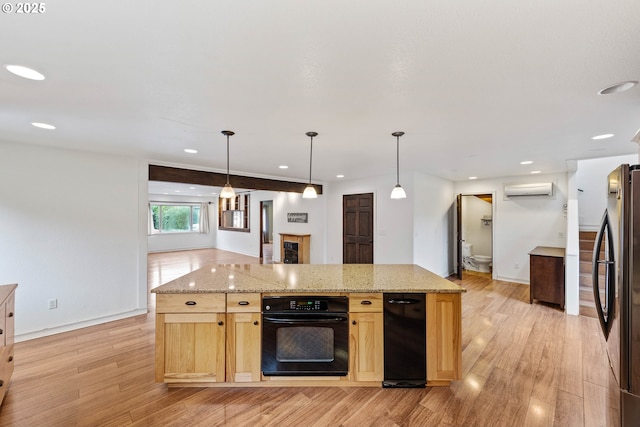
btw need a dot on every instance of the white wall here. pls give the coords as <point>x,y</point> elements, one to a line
<point>415,230</point>
<point>247,243</point>
<point>392,219</point>
<point>316,226</point>
<point>522,223</point>
<point>73,227</point>
<point>591,178</point>
<point>572,253</point>
<point>163,242</point>
<point>433,214</point>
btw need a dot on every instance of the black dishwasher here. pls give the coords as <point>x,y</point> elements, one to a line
<point>405,340</point>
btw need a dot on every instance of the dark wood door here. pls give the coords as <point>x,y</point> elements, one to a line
<point>357,228</point>
<point>459,236</point>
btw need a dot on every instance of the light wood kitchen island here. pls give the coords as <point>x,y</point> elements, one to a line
<point>208,322</point>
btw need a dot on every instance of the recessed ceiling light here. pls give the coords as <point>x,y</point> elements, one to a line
<point>603,136</point>
<point>526,162</point>
<point>283,167</point>
<point>535,171</point>
<point>43,126</point>
<point>618,87</point>
<point>25,72</point>
<point>340,176</point>
<point>190,150</point>
<point>473,177</point>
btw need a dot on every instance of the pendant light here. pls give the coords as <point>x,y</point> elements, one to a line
<point>227,192</point>
<point>398,191</point>
<point>310,190</point>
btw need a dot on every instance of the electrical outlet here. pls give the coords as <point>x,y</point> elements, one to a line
<point>53,303</point>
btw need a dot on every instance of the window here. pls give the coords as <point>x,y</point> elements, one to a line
<point>233,214</point>
<point>175,217</point>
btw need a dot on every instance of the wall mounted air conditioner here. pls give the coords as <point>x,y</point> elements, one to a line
<point>538,189</point>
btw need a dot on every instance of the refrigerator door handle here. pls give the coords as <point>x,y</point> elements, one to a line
<point>604,312</point>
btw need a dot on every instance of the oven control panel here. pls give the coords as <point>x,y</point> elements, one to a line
<point>308,305</point>
<point>289,304</point>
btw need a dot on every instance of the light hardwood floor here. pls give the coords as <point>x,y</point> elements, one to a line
<point>523,365</point>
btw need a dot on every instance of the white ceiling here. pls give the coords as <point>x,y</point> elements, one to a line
<point>478,86</point>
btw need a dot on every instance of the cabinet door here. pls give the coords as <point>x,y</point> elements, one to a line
<point>444,338</point>
<point>193,347</point>
<point>243,347</point>
<point>547,279</point>
<point>366,346</point>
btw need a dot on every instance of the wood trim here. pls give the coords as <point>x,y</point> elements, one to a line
<point>159,354</point>
<point>189,176</point>
<point>444,337</point>
<point>244,344</point>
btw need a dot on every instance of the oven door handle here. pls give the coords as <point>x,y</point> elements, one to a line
<point>294,320</point>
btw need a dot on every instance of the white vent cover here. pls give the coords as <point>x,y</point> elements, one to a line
<point>538,189</point>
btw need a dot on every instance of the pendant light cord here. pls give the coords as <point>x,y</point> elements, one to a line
<point>397,160</point>
<point>310,160</point>
<point>227,159</point>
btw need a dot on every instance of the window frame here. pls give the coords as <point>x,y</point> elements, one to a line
<point>190,205</point>
<point>241,202</point>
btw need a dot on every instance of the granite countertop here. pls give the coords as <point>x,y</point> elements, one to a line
<point>234,278</point>
<point>548,251</point>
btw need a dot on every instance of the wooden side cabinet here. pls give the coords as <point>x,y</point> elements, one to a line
<point>546,269</point>
<point>366,335</point>
<point>7,333</point>
<point>294,248</point>
<point>190,338</point>
<point>244,333</point>
<point>444,338</point>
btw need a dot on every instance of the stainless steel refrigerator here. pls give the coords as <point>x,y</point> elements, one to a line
<point>616,287</point>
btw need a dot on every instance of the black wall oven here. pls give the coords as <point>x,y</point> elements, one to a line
<point>305,335</point>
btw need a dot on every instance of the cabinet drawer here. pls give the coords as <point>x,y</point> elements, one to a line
<point>243,303</point>
<point>190,303</point>
<point>365,303</point>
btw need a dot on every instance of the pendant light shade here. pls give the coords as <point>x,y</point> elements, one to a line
<point>310,191</point>
<point>398,191</point>
<point>227,192</point>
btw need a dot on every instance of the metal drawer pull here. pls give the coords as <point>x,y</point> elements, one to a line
<point>255,322</point>
<point>243,302</point>
<point>11,314</point>
<point>365,302</point>
<point>221,323</point>
<point>190,303</point>
<point>1,332</point>
<point>353,322</point>
<point>10,358</point>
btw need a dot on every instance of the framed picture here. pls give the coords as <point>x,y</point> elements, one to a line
<point>298,217</point>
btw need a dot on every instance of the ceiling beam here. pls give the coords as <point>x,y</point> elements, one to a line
<point>215,179</point>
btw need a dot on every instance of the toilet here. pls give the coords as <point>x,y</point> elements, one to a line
<point>480,263</point>
<point>483,262</point>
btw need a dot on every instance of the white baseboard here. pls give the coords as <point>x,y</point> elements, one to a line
<point>511,279</point>
<point>71,327</point>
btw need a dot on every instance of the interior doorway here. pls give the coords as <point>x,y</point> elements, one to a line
<point>357,228</point>
<point>266,232</point>
<point>474,233</point>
